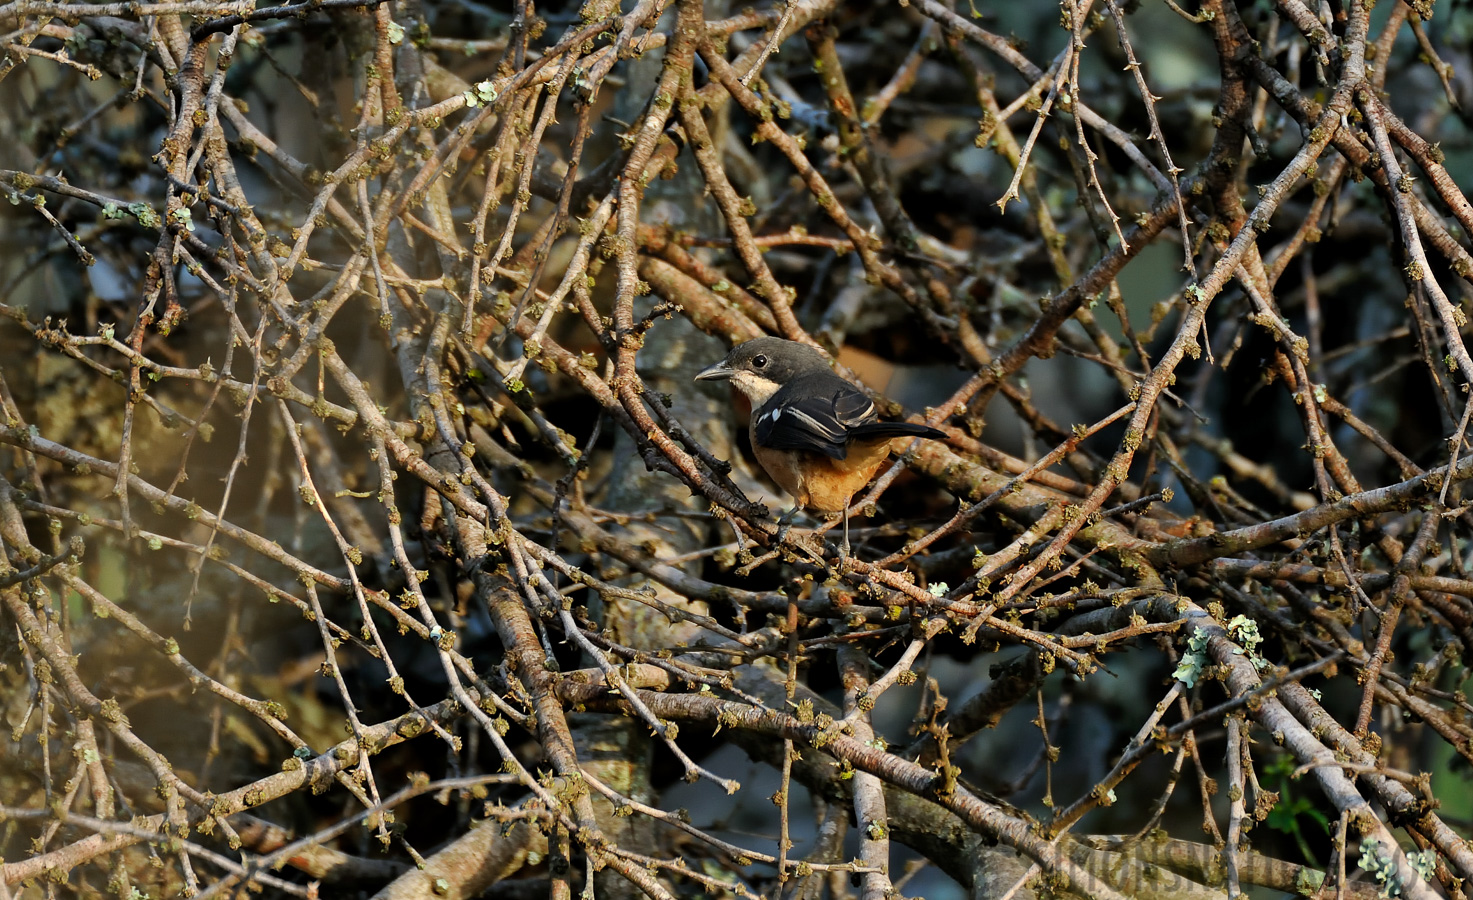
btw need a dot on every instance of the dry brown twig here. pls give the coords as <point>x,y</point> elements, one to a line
<point>318,312</point>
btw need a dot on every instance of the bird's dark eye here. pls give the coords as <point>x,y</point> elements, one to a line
<point>759,361</point>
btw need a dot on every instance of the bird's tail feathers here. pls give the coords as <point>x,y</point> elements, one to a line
<point>877,430</point>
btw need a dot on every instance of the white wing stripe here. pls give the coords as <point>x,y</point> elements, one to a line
<point>862,417</point>
<point>820,427</point>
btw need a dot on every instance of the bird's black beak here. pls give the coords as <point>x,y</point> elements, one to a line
<point>719,372</point>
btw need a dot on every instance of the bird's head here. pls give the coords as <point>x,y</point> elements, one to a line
<point>759,367</point>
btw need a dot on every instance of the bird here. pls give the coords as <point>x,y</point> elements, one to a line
<point>818,436</point>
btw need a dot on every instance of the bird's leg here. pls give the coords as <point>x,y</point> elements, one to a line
<point>784,523</point>
<point>831,520</point>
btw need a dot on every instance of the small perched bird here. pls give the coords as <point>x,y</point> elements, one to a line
<point>818,436</point>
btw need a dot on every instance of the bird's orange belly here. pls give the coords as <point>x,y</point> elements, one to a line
<point>821,483</point>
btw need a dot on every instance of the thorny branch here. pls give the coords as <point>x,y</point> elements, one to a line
<point>353,339</point>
